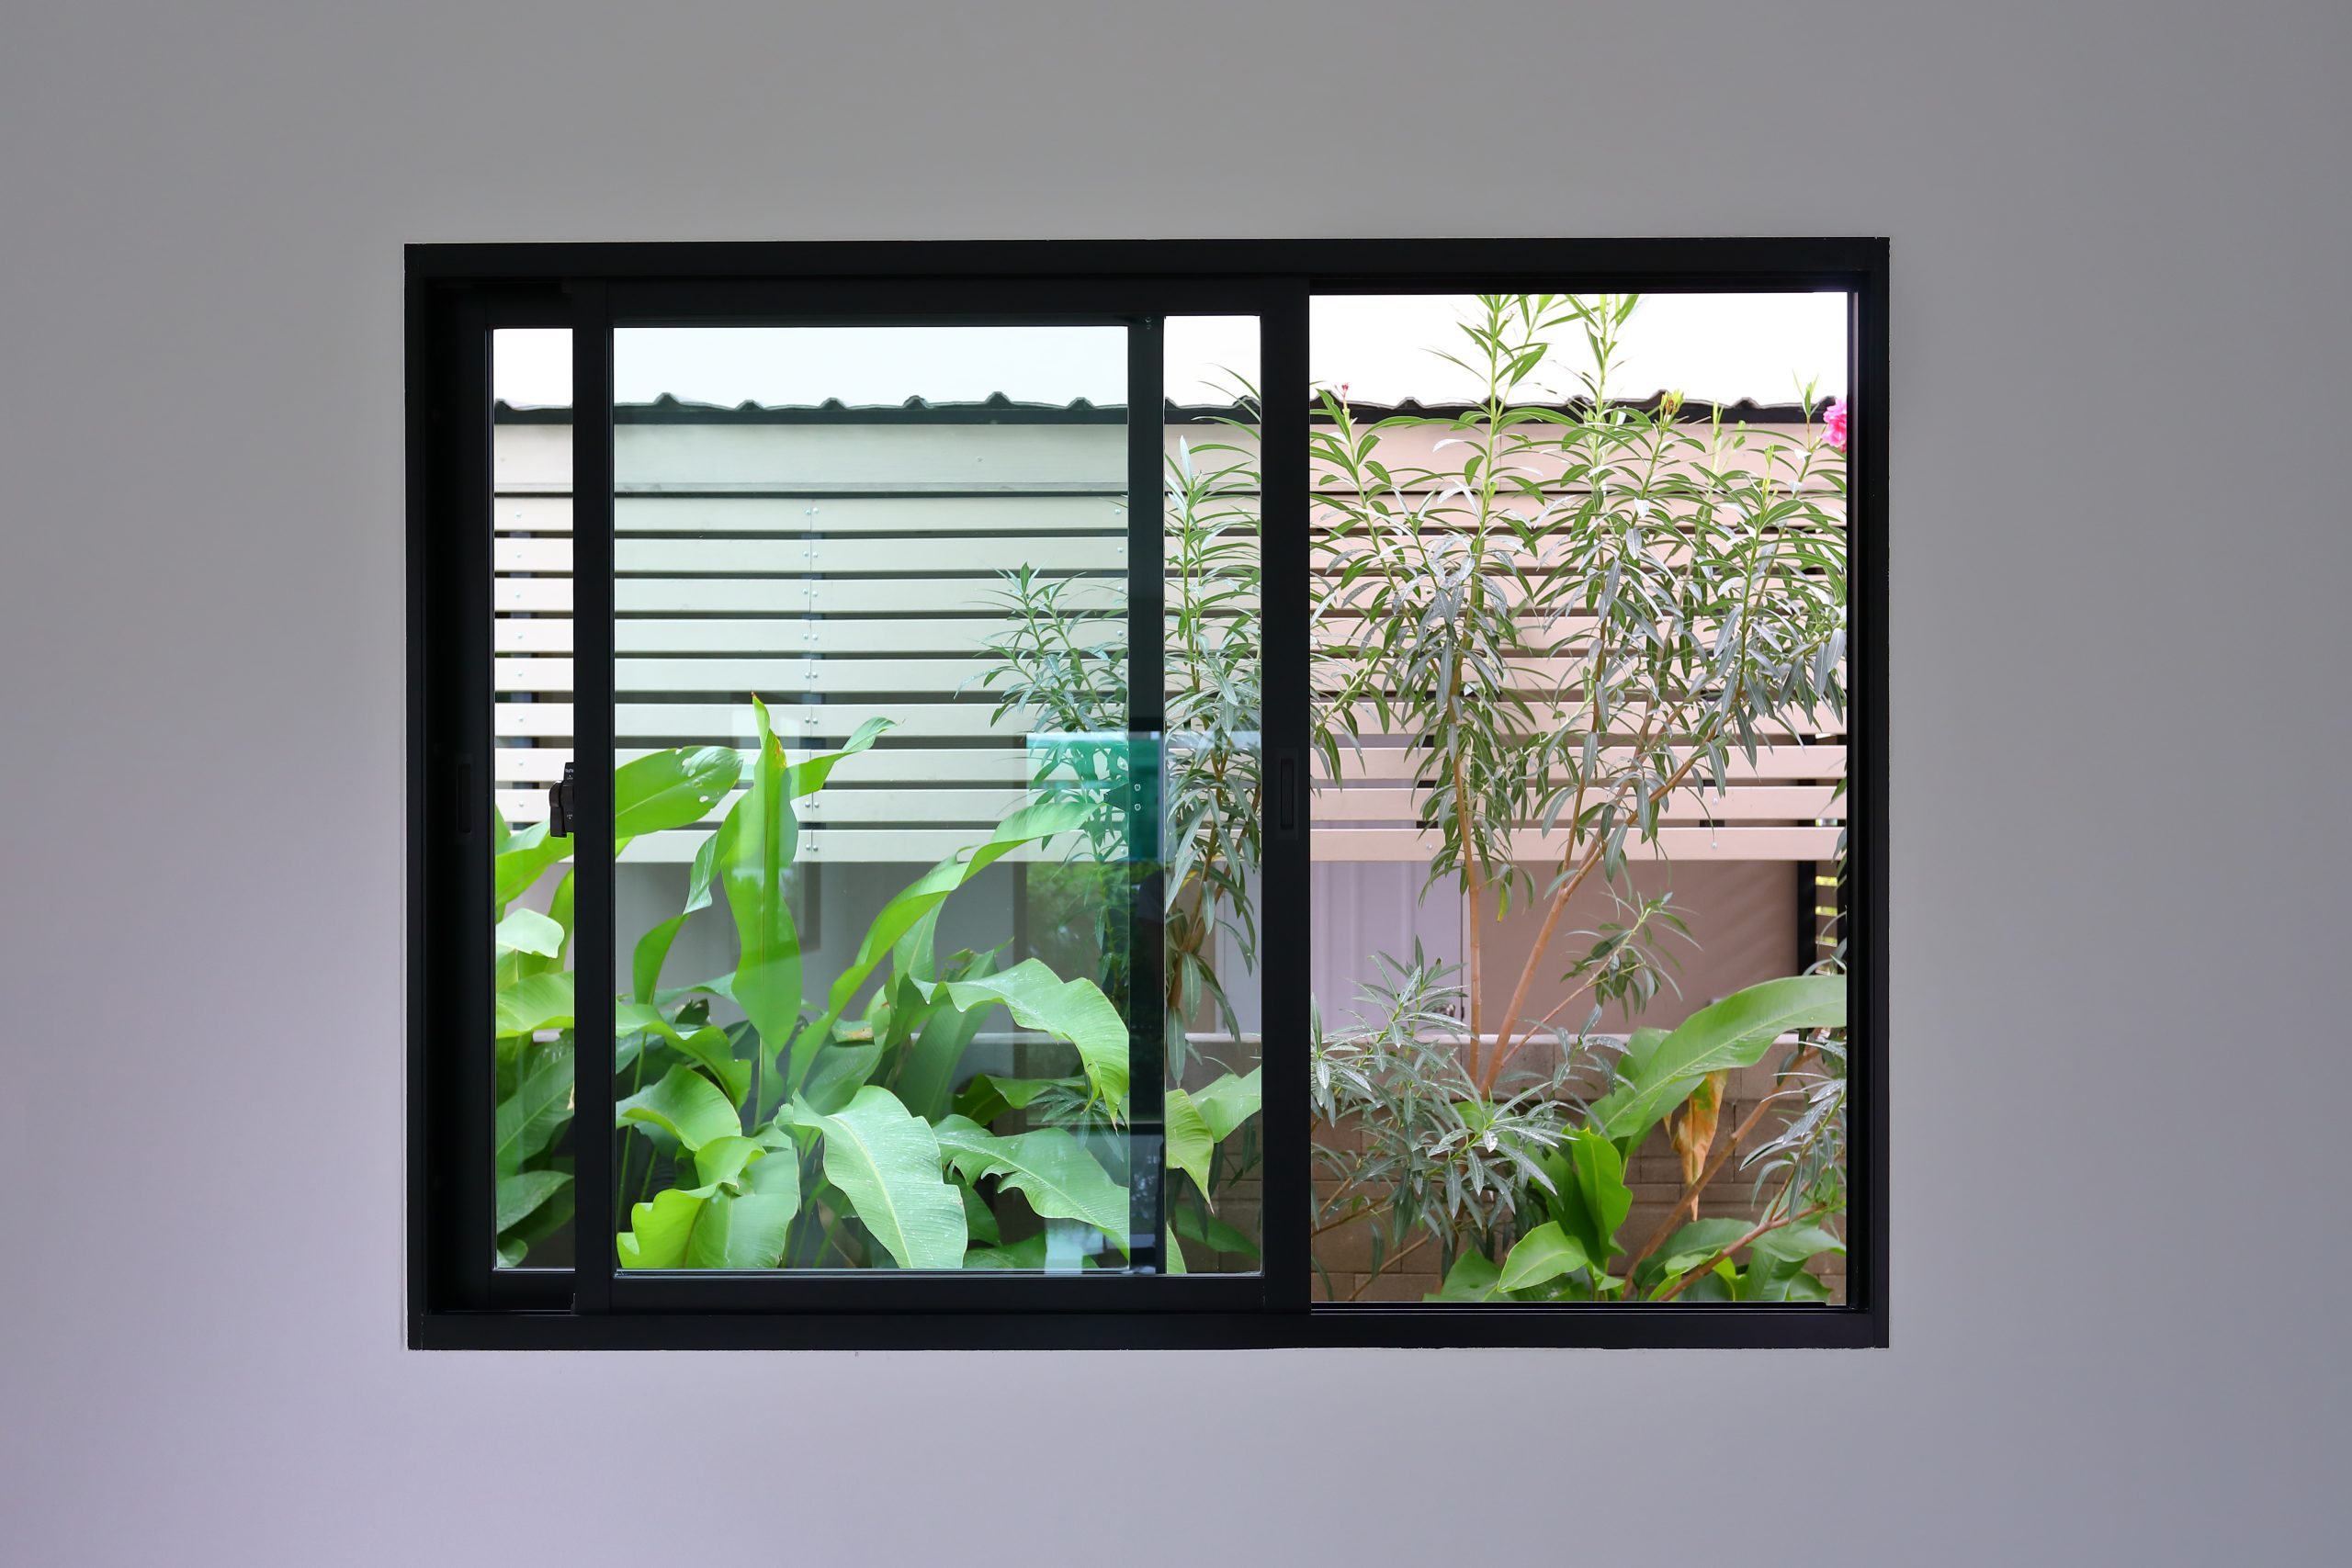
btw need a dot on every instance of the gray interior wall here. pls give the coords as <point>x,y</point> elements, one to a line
<point>2119,1062</point>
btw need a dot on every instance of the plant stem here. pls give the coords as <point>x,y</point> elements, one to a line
<point>1691,1193</point>
<point>1365,1283</point>
<point>1762,1227</point>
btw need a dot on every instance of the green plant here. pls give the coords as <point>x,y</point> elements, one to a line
<point>1574,614</point>
<point>1063,663</point>
<point>808,1134</point>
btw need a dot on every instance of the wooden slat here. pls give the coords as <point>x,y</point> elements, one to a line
<point>1771,762</point>
<point>712,723</point>
<point>889,763</point>
<point>885,764</point>
<point>851,799</point>
<point>717,723</point>
<point>799,557</point>
<point>907,846</point>
<point>1396,844</point>
<point>839,596</point>
<point>544,634</point>
<point>922,846</point>
<point>822,635</point>
<point>1750,803</point>
<point>769,677</point>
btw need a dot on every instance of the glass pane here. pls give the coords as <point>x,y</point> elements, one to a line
<point>885,822</point>
<point>1581,609</point>
<point>1210,560</point>
<point>531,600</point>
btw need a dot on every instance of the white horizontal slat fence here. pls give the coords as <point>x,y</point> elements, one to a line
<point>845,571</point>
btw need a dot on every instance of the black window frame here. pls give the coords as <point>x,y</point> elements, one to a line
<point>457,294</point>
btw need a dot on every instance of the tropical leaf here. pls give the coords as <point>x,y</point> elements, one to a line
<point>653,948</point>
<point>1691,1129</point>
<point>1075,1011</point>
<point>541,1103</point>
<point>1733,1033</point>
<point>1190,1142</point>
<point>519,1196</point>
<point>739,1222</point>
<point>685,1104</point>
<point>674,788</point>
<point>1027,1254</point>
<point>926,892</point>
<point>988,1097</point>
<point>927,1071</point>
<point>528,930</point>
<point>535,1002</point>
<point>1542,1256</point>
<point>840,1072</point>
<point>524,855</point>
<point>1796,1244</point>
<point>886,1162</point>
<point>1229,1101</point>
<point>756,845</point>
<point>1473,1278</point>
<point>1048,1167</point>
<point>1691,1246</point>
<point>710,1046</point>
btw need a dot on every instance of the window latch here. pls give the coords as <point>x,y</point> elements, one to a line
<point>562,804</point>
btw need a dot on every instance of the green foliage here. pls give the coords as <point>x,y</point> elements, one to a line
<point>1575,613</point>
<point>885,1161</point>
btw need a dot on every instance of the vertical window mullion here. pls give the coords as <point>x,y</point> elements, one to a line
<point>1285,910</point>
<point>592,740</point>
<point>1147,769</point>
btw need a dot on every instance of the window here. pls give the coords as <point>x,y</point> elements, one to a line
<point>1147,793</point>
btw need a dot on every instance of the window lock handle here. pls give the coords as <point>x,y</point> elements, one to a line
<point>562,804</point>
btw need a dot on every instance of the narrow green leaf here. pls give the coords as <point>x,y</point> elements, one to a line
<point>756,845</point>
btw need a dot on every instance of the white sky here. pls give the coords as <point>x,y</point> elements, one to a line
<point>1719,346</point>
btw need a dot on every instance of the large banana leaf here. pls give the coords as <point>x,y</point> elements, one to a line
<point>1229,1101</point>
<point>653,948</point>
<point>1049,1167</point>
<point>756,844</point>
<point>708,1046</point>
<point>739,1220</point>
<point>927,1077</point>
<point>886,1162</point>
<point>520,1195</point>
<point>685,1104</point>
<point>524,856</point>
<point>540,1104</point>
<point>528,930</point>
<point>671,789</point>
<point>1542,1256</point>
<point>1733,1033</point>
<point>1075,1011</point>
<point>535,1002</point>
<point>1190,1142</point>
<point>1028,825</point>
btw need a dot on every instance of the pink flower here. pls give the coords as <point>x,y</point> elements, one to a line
<point>1835,417</point>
